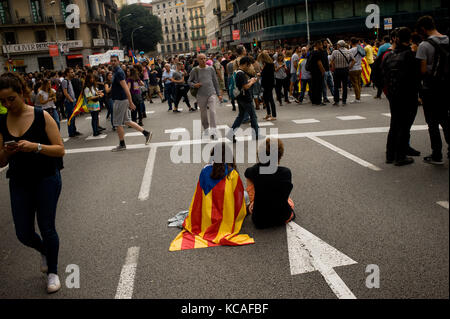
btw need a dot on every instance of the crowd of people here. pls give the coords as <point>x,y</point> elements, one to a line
<point>410,68</point>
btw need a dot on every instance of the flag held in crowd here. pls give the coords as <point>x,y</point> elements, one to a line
<point>216,214</point>
<point>80,107</point>
<point>365,71</point>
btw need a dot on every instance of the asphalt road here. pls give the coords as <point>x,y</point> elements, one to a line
<point>379,215</point>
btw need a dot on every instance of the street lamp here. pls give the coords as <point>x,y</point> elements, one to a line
<point>132,40</point>
<point>52,3</point>
<point>307,22</point>
<point>117,26</point>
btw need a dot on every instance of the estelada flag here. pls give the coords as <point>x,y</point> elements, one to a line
<point>365,71</point>
<point>299,73</point>
<point>216,214</point>
<point>80,107</point>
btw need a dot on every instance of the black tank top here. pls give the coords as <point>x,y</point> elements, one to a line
<point>30,165</point>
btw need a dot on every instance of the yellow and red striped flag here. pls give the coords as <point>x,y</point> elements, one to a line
<point>80,107</point>
<point>299,73</point>
<point>365,71</point>
<point>216,214</point>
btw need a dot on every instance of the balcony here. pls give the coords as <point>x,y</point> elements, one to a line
<point>27,21</point>
<point>200,26</point>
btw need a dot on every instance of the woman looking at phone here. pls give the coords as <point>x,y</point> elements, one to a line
<point>31,144</point>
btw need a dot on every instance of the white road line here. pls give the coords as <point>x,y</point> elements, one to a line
<point>220,127</point>
<point>144,193</point>
<point>350,118</point>
<point>229,105</point>
<point>150,112</point>
<point>305,121</point>
<point>386,114</point>
<point>443,204</point>
<point>88,118</point>
<point>345,153</point>
<point>63,121</point>
<point>282,136</point>
<point>100,137</point>
<point>175,130</point>
<point>261,124</point>
<point>127,275</point>
<point>133,134</point>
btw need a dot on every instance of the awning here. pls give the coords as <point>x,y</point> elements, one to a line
<point>74,56</point>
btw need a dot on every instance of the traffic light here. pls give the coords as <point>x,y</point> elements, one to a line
<point>255,43</point>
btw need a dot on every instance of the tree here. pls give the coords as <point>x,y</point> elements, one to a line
<point>145,39</point>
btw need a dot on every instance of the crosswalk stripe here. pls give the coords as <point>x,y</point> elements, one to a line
<point>101,136</point>
<point>133,134</point>
<point>350,117</point>
<point>443,204</point>
<point>305,121</point>
<point>175,130</point>
<point>386,114</point>
<point>265,124</point>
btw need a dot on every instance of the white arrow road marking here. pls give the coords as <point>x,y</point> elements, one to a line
<point>443,204</point>
<point>305,121</point>
<point>144,193</point>
<point>351,118</point>
<point>308,253</point>
<point>345,153</point>
<point>126,281</point>
<point>101,136</point>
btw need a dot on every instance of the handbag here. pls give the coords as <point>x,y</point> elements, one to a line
<point>194,90</point>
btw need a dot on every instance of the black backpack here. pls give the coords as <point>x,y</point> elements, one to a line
<point>395,75</point>
<point>440,73</point>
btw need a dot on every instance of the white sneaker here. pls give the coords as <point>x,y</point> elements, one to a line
<point>53,284</point>
<point>44,267</point>
<point>355,101</point>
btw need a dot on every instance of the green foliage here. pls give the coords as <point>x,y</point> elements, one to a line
<point>145,39</point>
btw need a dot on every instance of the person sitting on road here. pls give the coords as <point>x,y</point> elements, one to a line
<point>270,204</point>
<point>218,207</point>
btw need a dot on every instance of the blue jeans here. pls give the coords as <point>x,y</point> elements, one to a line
<point>69,109</point>
<point>328,80</point>
<point>37,198</point>
<point>303,89</point>
<point>246,108</point>
<point>169,93</point>
<point>94,121</point>
<point>55,115</point>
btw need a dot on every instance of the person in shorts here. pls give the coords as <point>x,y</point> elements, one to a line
<point>122,103</point>
<point>153,84</point>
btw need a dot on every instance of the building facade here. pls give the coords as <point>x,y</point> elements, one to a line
<point>175,27</point>
<point>216,12</point>
<point>273,22</point>
<point>27,29</point>
<point>197,26</point>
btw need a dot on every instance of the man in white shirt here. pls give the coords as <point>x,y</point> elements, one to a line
<point>355,71</point>
<point>294,64</point>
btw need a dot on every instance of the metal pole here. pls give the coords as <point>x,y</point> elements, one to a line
<point>56,39</point>
<point>132,40</point>
<point>307,22</point>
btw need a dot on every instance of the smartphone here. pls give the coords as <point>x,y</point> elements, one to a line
<point>10,143</point>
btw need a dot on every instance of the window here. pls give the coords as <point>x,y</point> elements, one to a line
<point>167,29</point>
<point>173,37</point>
<point>41,36</point>
<point>5,15</point>
<point>168,48</point>
<point>388,7</point>
<point>279,16</point>
<point>10,37</point>
<point>36,11</point>
<point>289,15</point>
<point>179,36</point>
<point>176,10</point>
<point>164,5</point>
<point>300,13</point>
<point>174,47</point>
<point>70,34</point>
<point>180,46</point>
<point>323,11</point>
<point>408,6</point>
<point>158,6</point>
<point>186,46</point>
<point>425,4</point>
<point>343,9</point>
<point>185,35</point>
<point>94,33</point>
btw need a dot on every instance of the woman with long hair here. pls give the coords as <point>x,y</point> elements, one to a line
<point>134,84</point>
<point>267,83</point>
<point>281,74</point>
<point>47,98</point>
<point>218,208</point>
<point>92,96</point>
<point>108,98</point>
<point>30,143</point>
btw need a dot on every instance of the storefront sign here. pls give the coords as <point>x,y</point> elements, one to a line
<point>98,42</point>
<point>236,35</point>
<point>75,56</point>
<point>214,43</point>
<point>53,50</point>
<point>36,47</point>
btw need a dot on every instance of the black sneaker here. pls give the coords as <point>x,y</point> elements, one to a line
<point>405,161</point>
<point>326,101</point>
<point>148,138</point>
<point>433,160</point>
<point>412,152</point>
<point>119,148</point>
<point>336,104</point>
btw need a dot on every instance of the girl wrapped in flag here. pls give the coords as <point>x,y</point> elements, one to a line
<point>217,209</point>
